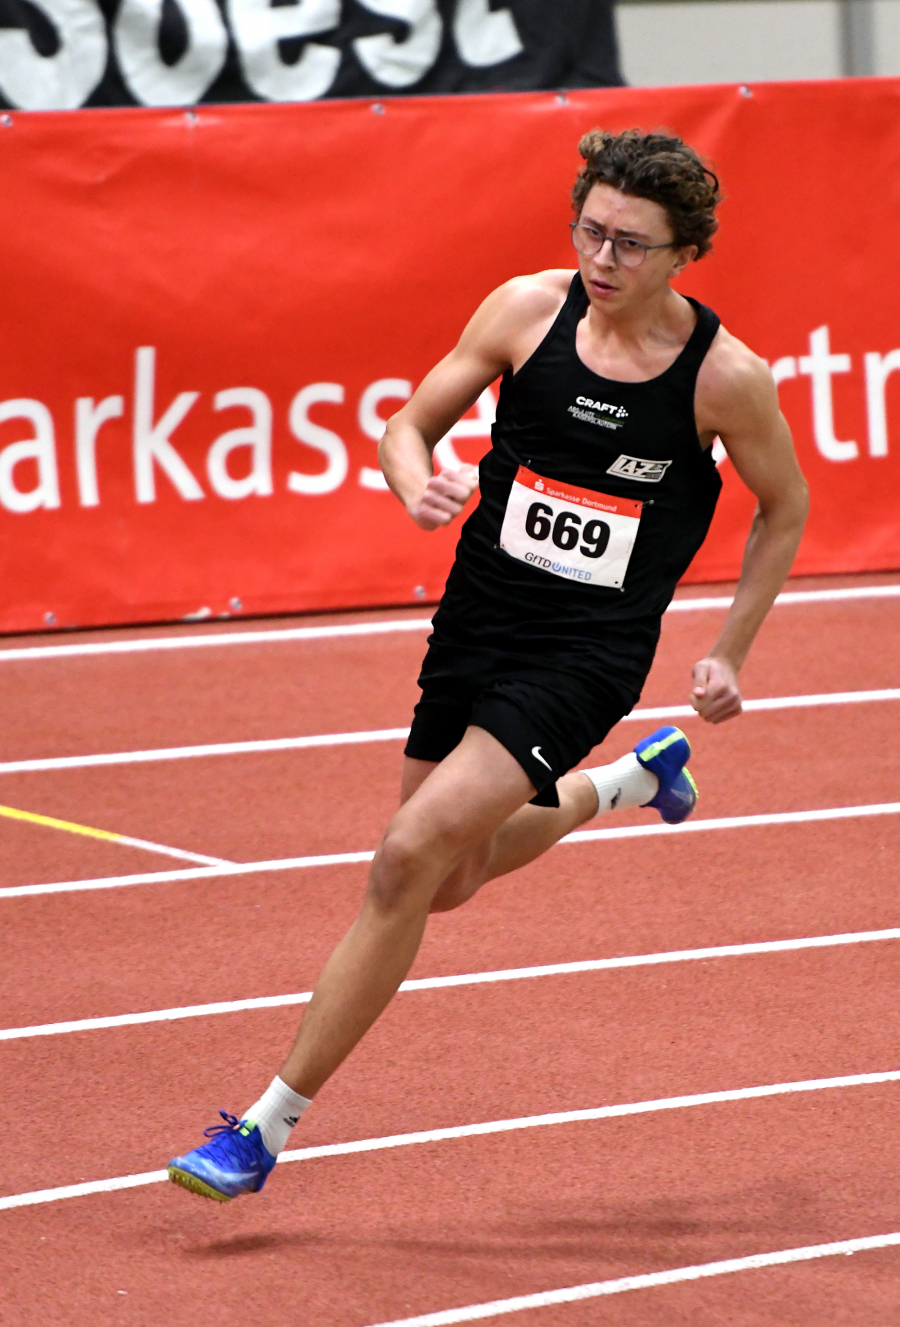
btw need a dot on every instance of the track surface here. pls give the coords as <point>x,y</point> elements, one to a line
<point>355,1240</point>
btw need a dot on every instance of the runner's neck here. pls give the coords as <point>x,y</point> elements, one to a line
<point>638,344</point>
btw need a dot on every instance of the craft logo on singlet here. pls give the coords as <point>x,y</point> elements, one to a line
<point>598,412</point>
<point>633,467</point>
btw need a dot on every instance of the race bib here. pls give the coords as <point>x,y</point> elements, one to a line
<point>570,532</point>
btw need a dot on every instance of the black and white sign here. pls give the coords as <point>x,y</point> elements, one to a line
<point>62,54</point>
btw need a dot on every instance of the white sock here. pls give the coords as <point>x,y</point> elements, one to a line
<point>276,1113</point>
<point>622,784</point>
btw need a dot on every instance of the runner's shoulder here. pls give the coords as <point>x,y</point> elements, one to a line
<point>734,376</point>
<point>515,311</point>
<point>537,295</point>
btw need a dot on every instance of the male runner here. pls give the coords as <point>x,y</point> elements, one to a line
<point>598,491</point>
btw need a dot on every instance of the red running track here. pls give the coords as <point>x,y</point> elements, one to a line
<point>351,1241</point>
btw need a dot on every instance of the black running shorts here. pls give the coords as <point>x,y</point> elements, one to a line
<point>547,719</point>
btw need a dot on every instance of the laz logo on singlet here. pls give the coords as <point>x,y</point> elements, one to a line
<point>632,467</point>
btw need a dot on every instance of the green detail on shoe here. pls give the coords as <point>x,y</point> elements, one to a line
<point>195,1185</point>
<point>690,778</point>
<point>247,1127</point>
<point>651,752</point>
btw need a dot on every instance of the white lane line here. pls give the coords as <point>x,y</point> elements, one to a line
<point>766,703</point>
<point>647,1281</point>
<point>345,858</point>
<point>107,836</point>
<point>81,1190</point>
<point>734,822</point>
<point>208,749</point>
<point>583,1116</point>
<point>460,979</point>
<point>789,597</point>
<point>125,841</point>
<point>190,641</point>
<point>159,1015</point>
<point>198,873</point>
<point>479,1130</point>
<point>400,734</point>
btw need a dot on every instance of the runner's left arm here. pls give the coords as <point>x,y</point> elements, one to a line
<point>737,398</point>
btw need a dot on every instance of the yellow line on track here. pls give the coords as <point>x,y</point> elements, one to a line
<point>13,813</point>
<point>71,827</point>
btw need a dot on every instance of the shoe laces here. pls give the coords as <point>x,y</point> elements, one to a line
<point>228,1143</point>
<point>231,1123</point>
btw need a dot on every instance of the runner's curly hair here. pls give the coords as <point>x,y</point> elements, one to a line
<point>655,166</point>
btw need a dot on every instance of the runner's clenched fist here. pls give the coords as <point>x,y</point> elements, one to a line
<point>715,695</point>
<point>444,497</point>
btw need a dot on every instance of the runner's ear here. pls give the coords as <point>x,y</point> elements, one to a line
<point>683,258</point>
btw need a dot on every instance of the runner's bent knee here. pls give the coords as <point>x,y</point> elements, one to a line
<point>411,863</point>
<point>464,881</point>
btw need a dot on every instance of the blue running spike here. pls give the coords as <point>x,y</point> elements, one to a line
<point>235,1161</point>
<point>665,753</point>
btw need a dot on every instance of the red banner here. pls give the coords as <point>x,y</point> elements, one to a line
<point>209,313</point>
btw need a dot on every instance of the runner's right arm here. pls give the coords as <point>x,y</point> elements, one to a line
<point>495,339</point>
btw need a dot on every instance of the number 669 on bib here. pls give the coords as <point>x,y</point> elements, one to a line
<point>575,533</point>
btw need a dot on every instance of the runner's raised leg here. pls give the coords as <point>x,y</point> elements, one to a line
<point>654,774</point>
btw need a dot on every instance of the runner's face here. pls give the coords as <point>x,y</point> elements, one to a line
<point>608,283</point>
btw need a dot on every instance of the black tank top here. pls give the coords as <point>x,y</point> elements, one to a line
<point>631,440</point>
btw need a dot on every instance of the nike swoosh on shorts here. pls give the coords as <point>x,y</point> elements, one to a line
<point>536,752</point>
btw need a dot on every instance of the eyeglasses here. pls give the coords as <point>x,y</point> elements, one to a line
<point>589,240</point>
